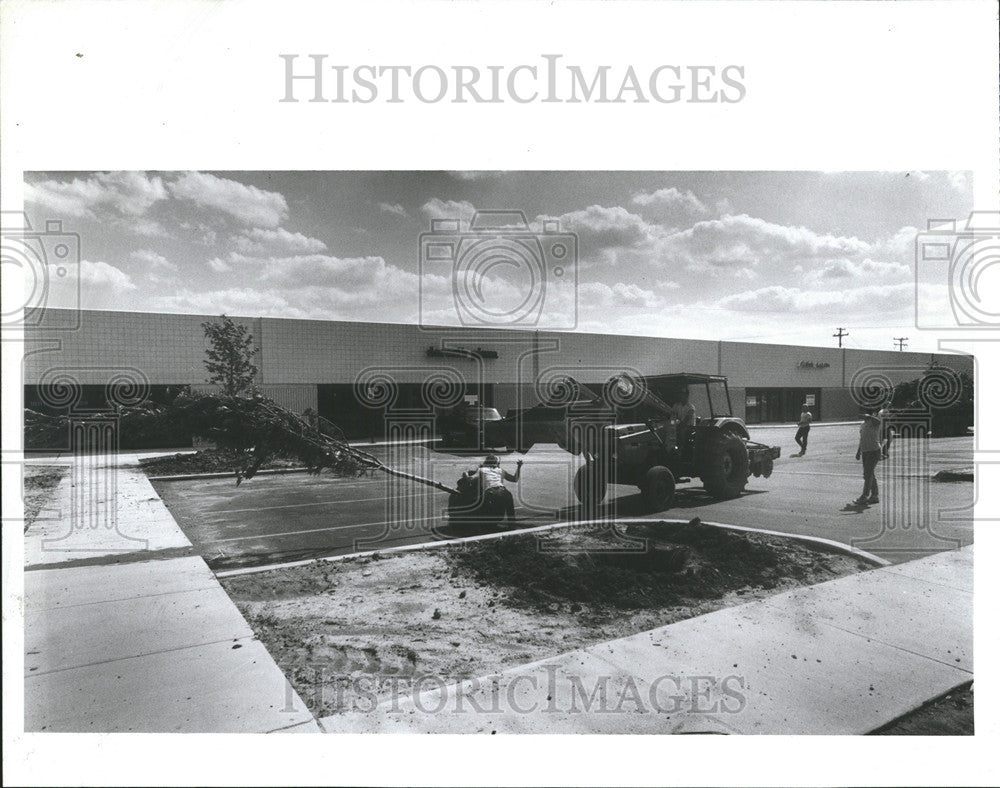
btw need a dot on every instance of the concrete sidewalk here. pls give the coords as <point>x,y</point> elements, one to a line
<point>842,657</point>
<point>126,631</point>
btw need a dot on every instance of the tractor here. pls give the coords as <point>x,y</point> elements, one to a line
<point>629,434</point>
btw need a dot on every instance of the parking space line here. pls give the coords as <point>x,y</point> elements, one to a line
<point>312,530</point>
<point>314,503</point>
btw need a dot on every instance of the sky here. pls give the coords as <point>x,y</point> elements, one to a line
<point>782,257</point>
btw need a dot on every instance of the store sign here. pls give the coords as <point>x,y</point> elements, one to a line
<point>751,401</point>
<point>813,365</point>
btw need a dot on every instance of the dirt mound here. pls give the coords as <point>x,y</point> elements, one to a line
<point>609,567</point>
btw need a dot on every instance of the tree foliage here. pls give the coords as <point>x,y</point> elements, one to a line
<point>229,359</point>
<point>949,400</point>
<point>253,430</point>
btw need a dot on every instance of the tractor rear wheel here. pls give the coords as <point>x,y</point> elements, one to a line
<point>590,484</point>
<point>658,489</point>
<point>725,466</point>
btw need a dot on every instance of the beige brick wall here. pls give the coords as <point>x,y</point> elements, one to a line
<point>297,354</point>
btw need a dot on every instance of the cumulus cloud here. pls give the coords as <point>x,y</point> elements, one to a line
<point>279,240</point>
<point>619,295</point>
<point>837,272</point>
<point>601,228</point>
<point>219,265</point>
<point>246,204</point>
<point>744,243</point>
<point>475,175</point>
<point>152,259</point>
<point>869,300</point>
<point>120,194</point>
<point>671,198</point>
<point>393,208</point>
<point>462,210</point>
<point>91,285</point>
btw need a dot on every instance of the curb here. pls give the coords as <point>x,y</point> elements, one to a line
<point>816,540</point>
<point>184,477</point>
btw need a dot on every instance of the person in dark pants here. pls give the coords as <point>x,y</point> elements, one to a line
<point>888,432</point>
<point>869,452</point>
<point>802,436</point>
<point>492,477</point>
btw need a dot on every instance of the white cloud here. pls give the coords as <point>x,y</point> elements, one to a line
<point>219,265</point>
<point>898,247</point>
<point>279,240</point>
<point>462,210</point>
<point>475,175</point>
<point>122,194</point>
<point>745,243</point>
<point>839,272</point>
<point>393,208</point>
<point>91,285</point>
<point>959,180</point>
<point>247,204</point>
<point>780,300</point>
<point>671,198</point>
<point>152,259</point>
<point>599,228</point>
<point>596,295</point>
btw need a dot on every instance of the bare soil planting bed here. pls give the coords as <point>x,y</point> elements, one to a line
<point>39,482</point>
<point>370,625</point>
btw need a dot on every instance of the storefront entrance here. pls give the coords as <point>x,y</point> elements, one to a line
<point>338,403</point>
<point>781,404</point>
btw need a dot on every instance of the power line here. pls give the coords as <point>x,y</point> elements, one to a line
<point>841,333</point>
<point>900,342</point>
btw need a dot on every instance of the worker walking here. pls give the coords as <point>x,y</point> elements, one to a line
<point>802,435</point>
<point>869,452</point>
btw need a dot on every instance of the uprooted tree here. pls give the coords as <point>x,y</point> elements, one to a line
<point>948,397</point>
<point>252,431</point>
<point>248,429</point>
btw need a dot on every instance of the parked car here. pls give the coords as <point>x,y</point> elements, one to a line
<point>472,427</point>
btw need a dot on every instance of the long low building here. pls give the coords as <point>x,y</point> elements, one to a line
<point>356,374</point>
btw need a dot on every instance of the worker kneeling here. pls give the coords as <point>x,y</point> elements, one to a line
<point>491,476</point>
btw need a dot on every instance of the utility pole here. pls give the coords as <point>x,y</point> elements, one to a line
<point>840,336</point>
<point>900,342</point>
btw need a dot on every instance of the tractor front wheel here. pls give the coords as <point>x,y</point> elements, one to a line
<point>726,466</point>
<point>658,489</point>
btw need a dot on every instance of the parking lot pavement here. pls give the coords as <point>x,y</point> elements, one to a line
<point>273,519</point>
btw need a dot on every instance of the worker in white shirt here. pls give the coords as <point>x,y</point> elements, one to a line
<point>492,477</point>
<point>802,436</point>
<point>869,452</point>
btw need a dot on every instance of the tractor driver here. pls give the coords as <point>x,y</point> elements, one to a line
<point>492,477</point>
<point>683,411</point>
